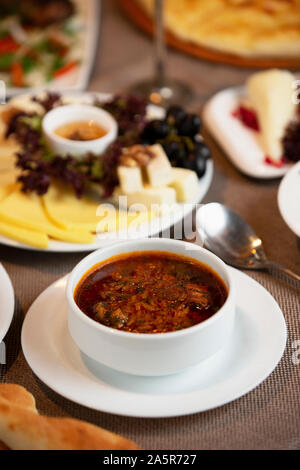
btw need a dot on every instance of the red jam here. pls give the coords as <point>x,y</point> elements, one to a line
<point>247,117</point>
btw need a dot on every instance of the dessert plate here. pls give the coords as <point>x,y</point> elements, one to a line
<point>7,302</point>
<point>289,197</point>
<point>240,143</point>
<point>254,350</point>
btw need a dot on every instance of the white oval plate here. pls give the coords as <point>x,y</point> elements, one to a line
<point>289,199</point>
<point>150,229</point>
<point>240,144</point>
<point>79,79</point>
<point>253,352</point>
<point>7,302</point>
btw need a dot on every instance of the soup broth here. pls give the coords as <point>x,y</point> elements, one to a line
<point>150,292</point>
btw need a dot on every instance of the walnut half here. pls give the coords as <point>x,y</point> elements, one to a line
<point>137,155</point>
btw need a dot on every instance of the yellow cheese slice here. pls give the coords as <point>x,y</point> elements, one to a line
<point>26,211</point>
<point>8,149</point>
<point>8,178</point>
<point>69,212</point>
<point>23,235</point>
<point>113,219</point>
<point>7,188</point>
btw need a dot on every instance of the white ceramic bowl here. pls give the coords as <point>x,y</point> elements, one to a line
<point>151,354</point>
<point>78,112</point>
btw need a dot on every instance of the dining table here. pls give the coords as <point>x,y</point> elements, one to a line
<point>268,417</point>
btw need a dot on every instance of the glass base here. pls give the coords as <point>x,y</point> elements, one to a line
<point>172,92</point>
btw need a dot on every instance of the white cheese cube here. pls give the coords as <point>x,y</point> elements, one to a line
<point>185,182</point>
<point>271,95</point>
<point>130,179</point>
<point>148,197</point>
<point>159,170</point>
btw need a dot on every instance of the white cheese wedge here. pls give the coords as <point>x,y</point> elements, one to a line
<point>159,170</point>
<point>148,197</point>
<point>185,182</point>
<point>130,179</point>
<point>271,95</point>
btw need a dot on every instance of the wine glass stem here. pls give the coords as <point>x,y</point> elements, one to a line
<point>160,46</point>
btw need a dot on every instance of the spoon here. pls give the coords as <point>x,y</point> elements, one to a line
<point>229,236</point>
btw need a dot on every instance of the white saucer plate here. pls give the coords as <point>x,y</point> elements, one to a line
<point>240,143</point>
<point>7,302</point>
<point>254,350</point>
<point>150,229</point>
<point>289,198</point>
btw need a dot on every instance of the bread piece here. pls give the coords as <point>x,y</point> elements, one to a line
<point>248,28</point>
<point>18,395</point>
<point>22,428</point>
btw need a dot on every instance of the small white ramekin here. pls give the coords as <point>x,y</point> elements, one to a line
<point>151,354</point>
<point>78,112</point>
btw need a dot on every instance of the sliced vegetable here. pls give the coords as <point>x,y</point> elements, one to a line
<point>43,46</point>
<point>58,63</point>
<point>17,74</point>
<point>65,69</point>
<point>8,44</point>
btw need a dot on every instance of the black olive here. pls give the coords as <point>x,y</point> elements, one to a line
<point>155,130</point>
<point>175,151</point>
<point>172,148</point>
<point>175,114</point>
<point>190,125</point>
<point>200,166</point>
<point>189,163</point>
<point>202,150</point>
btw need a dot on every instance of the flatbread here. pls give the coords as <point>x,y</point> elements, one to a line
<point>248,28</point>
<point>22,428</point>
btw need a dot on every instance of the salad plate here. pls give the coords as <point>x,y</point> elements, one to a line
<point>7,302</point>
<point>289,197</point>
<point>62,54</point>
<point>255,348</point>
<point>146,228</point>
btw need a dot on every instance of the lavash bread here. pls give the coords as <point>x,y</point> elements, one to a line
<point>247,28</point>
<point>22,428</point>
